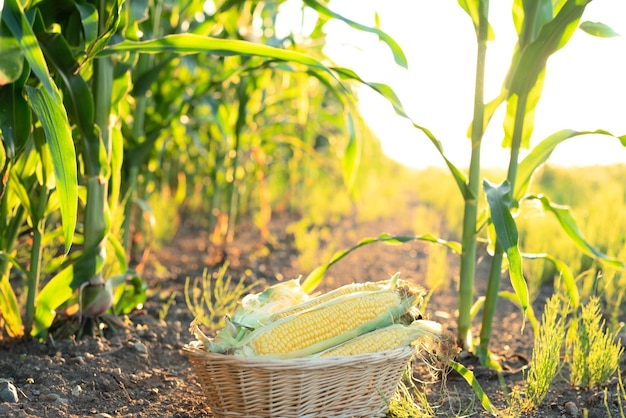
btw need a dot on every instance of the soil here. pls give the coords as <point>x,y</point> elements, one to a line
<point>140,371</point>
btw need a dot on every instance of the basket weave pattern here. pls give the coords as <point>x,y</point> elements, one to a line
<point>333,387</point>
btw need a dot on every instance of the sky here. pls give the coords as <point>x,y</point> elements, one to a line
<point>585,85</point>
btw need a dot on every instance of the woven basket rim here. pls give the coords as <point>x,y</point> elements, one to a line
<point>196,351</point>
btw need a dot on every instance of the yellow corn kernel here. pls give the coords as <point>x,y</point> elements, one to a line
<point>329,324</point>
<point>318,300</point>
<point>317,325</point>
<point>388,338</point>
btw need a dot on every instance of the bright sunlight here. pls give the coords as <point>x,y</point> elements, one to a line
<point>584,87</point>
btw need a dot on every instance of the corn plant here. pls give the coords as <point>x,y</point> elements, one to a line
<point>89,94</point>
<point>50,103</point>
<point>542,30</point>
<point>543,27</point>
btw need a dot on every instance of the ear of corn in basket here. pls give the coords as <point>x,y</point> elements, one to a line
<point>285,299</point>
<point>330,323</point>
<point>333,294</point>
<point>257,308</point>
<point>388,338</point>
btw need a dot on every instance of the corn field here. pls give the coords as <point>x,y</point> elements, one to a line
<point>120,119</point>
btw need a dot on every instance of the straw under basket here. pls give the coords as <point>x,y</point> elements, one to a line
<point>332,387</point>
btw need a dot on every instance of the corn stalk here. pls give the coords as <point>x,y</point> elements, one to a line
<point>470,213</point>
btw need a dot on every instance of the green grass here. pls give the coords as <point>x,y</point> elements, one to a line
<point>620,397</point>
<point>410,401</point>
<point>213,296</point>
<point>595,354</point>
<point>545,362</point>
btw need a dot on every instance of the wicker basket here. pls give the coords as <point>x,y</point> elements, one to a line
<point>354,386</point>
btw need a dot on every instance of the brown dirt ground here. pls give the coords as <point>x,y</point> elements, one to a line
<point>140,371</point>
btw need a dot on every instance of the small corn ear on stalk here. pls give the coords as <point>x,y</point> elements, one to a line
<point>329,324</point>
<point>388,338</point>
<point>333,294</point>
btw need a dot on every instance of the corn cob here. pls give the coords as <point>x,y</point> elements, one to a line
<point>333,294</point>
<point>260,309</point>
<point>387,338</point>
<point>331,323</point>
<point>255,310</point>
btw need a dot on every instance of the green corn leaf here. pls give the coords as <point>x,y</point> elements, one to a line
<point>567,222</point>
<point>535,46</point>
<point>4,172</point>
<point>110,27</point>
<point>552,36</point>
<point>119,250</point>
<point>9,308</point>
<point>117,160</point>
<point>490,110</point>
<point>478,390</point>
<point>10,259</point>
<point>193,44</point>
<point>11,60</point>
<point>473,9</point>
<point>499,199</point>
<point>315,277</point>
<point>139,10</point>
<point>15,120</point>
<point>522,106</point>
<point>512,297</point>
<point>45,168</point>
<point>477,306</point>
<point>89,19</point>
<point>53,119</point>
<point>61,288</point>
<point>598,29</point>
<point>49,299</point>
<point>540,154</point>
<point>144,82</point>
<point>78,93</point>
<point>480,302</point>
<point>397,52</point>
<point>17,187</point>
<point>566,274</point>
<point>227,5</point>
<point>529,17</point>
<point>18,24</point>
<point>388,93</point>
<point>129,294</point>
<point>351,156</point>
<point>189,43</point>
